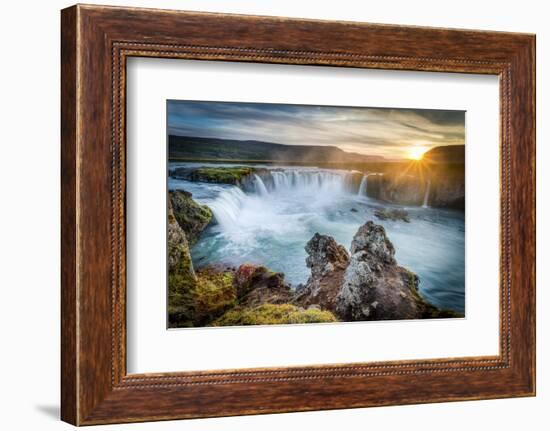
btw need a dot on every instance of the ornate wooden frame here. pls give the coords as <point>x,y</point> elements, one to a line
<point>95,43</point>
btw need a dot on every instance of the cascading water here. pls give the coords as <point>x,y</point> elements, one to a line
<point>272,221</point>
<point>260,186</point>
<point>227,205</point>
<point>237,211</point>
<point>310,181</point>
<point>363,186</point>
<point>426,195</point>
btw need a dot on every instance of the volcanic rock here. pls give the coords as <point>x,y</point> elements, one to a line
<point>375,287</point>
<point>328,261</point>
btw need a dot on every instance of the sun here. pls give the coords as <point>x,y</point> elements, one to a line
<point>416,153</point>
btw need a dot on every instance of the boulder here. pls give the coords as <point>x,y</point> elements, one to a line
<point>394,214</point>
<point>328,261</point>
<point>375,287</point>
<point>256,285</point>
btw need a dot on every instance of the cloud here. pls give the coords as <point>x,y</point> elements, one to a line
<point>373,131</point>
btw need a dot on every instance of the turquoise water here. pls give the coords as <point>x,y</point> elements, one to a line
<point>271,223</point>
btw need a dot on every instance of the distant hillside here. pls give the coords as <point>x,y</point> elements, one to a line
<point>187,147</point>
<point>447,154</point>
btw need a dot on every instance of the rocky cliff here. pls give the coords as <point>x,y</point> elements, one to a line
<point>397,188</point>
<point>447,191</point>
<point>181,275</point>
<point>448,154</point>
<point>367,284</point>
<point>191,216</point>
<point>438,180</point>
<point>438,187</point>
<point>328,262</point>
<point>375,287</point>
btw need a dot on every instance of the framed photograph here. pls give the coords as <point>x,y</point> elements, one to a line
<point>267,215</point>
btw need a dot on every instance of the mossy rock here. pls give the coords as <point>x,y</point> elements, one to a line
<point>181,278</point>
<point>273,314</point>
<point>394,214</point>
<point>250,276</point>
<point>197,301</point>
<point>181,301</point>
<point>191,216</point>
<point>214,294</point>
<point>222,175</point>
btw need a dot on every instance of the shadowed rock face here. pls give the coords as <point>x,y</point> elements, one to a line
<point>375,287</point>
<point>447,192</point>
<point>399,189</point>
<point>445,155</point>
<point>191,216</point>
<point>179,259</point>
<point>328,261</point>
<point>441,189</point>
<point>181,276</point>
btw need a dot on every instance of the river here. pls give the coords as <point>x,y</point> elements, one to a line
<point>271,223</point>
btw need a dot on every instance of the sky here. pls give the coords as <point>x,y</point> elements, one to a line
<point>387,132</point>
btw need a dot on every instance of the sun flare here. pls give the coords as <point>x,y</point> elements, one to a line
<point>416,153</point>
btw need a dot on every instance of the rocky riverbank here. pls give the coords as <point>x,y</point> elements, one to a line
<point>365,283</point>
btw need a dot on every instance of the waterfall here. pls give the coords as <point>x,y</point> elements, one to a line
<point>363,186</point>
<point>310,182</point>
<point>426,195</point>
<point>260,186</point>
<point>364,183</point>
<point>235,210</point>
<point>227,205</point>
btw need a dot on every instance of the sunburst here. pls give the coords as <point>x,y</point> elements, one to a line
<point>416,153</point>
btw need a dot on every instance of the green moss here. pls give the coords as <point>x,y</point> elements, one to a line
<point>181,277</point>
<point>214,294</point>
<point>181,300</point>
<point>272,314</point>
<point>225,175</point>
<point>191,216</point>
<point>196,301</point>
